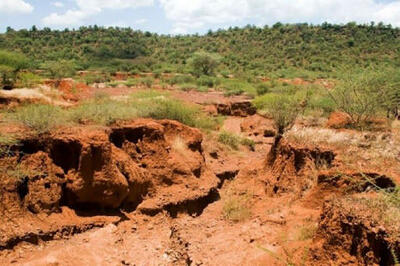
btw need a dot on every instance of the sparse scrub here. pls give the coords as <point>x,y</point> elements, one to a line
<point>236,206</point>
<point>262,88</point>
<point>101,111</point>
<point>188,87</point>
<point>6,142</point>
<point>249,143</point>
<point>379,146</point>
<point>28,79</point>
<point>229,139</point>
<point>206,81</point>
<point>361,96</point>
<point>180,79</point>
<point>39,117</point>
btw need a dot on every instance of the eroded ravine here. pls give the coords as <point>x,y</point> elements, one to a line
<point>155,192</point>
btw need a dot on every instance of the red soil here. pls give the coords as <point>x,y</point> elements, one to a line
<point>148,192</point>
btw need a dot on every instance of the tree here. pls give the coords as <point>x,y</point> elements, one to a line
<point>59,70</point>
<point>10,65</point>
<point>204,63</point>
<point>283,110</point>
<point>363,94</point>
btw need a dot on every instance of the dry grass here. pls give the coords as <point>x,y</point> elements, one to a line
<point>371,145</point>
<point>307,231</point>
<point>105,111</point>
<point>236,206</point>
<point>6,141</point>
<point>179,146</point>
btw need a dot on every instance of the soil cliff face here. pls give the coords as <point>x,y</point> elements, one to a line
<point>293,166</point>
<point>144,161</point>
<point>349,234</point>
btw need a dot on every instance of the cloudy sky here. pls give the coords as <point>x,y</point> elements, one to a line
<point>191,16</point>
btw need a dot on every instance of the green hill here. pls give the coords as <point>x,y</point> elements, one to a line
<point>290,50</point>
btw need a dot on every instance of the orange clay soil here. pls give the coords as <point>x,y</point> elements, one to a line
<point>147,192</point>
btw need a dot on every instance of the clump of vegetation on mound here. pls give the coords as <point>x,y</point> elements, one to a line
<point>10,66</point>
<point>233,141</point>
<point>40,117</point>
<point>105,111</point>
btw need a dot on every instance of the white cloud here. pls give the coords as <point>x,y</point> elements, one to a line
<point>15,6</point>
<point>141,21</point>
<point>71,17</point>
<point>196,14</point>
<point>88,8</point>
<point>58,4</point>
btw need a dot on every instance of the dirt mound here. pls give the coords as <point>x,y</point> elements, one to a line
<point>258,126</point>
<point>239,108</point>
<point>291,168</point>
<point>9,99</point>
<point>350,233</point>
<point>338,120</point>
<point>145,164</point>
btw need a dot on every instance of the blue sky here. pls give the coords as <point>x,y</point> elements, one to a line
<point>191,16</point>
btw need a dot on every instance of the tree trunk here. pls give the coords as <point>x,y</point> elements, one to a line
<point>274,149</point>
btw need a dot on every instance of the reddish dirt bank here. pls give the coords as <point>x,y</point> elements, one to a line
<point>149,192</point>
<point>148,165</point>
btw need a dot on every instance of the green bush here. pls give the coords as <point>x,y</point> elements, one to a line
<point>10,65</point>
<point>147,81</point>
<point>282,108</point>
<point>360,95</point>
<point>262,88</point>
<point>229,139</point>
<point>206,81</point>
<point>28,79</point>
<point>249,143</point>
<point>60,69</point>
<point>180,79</point>
<point>204,63</point>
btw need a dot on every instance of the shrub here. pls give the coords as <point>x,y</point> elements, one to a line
<point>132,82</point>
<point>229,139</point>
<point>148,81</point>
<point>283,109</point>
<point>10,65</point>
<point>60,69</point>
<point>249,143</point>
<point>102,111</point>
<point>204,63</point>
<point>262,88</point>
<point>237,87</point>
<point>361,95</point>
<point>39,117</point>
<point>28,79</point>
<point>180,79</point>
<point>206,81</point>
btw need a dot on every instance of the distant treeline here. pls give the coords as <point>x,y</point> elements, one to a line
<point>279,50</point>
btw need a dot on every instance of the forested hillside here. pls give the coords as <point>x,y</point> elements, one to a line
<point>283,50</point>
